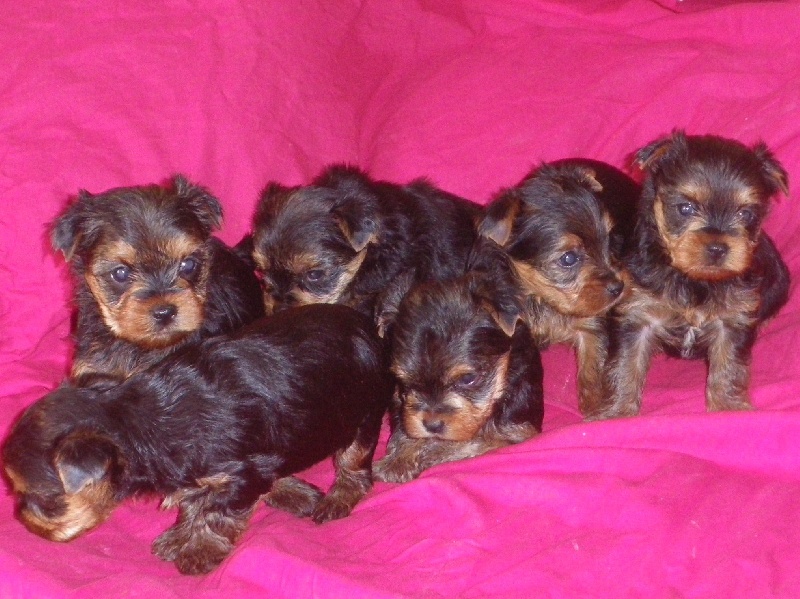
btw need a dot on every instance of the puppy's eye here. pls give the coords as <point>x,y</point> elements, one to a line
<point>746,215</point>
<point>569,259</point>
<point>187,267</point>
<point>467,379</point>
<point>121,274</point>
<point>687,209</point>
<point>315,275</point>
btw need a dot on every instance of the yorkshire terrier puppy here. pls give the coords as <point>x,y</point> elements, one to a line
<point>705,275</point>
<point>565,228</point>
<point>345,238</point>
<point>469,378</point>
<point>214,427</point>
<point>149,277</point>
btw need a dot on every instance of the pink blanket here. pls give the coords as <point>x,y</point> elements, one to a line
<point>674,503</point>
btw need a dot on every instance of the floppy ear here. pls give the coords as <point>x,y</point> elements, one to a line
<point>356,220</point>
<point>74,228</point>
<point>388,303</point>
<point>651,156</point>
<point>497,297</point>
<point>82,459</point>
<point>205,207</point>
<point>774,173</point>
<point>588,178</point>
<point>498,221</point>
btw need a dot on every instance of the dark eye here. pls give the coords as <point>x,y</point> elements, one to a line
<point>121,274</point>
<point>315,275</point>
<point>746,215</point>
<point>569,259</point>
<point>187,267</point>
<point>687,209</point>
<point>467,380</point>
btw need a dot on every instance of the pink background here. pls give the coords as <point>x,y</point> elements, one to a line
<point>675,503</point>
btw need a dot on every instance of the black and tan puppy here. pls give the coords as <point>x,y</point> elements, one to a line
<point>149,277</point>
<point>212,427</point>
<point>705,275</point>
<point>469,379</point>
<point>565,228</point>
<point>345,238</point>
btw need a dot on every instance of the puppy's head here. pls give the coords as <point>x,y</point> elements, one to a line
<point>309,242</point>
<point>451,345</point>
<point>63,477</point>
<point>556,233</point>
<point>706,197</point>
<point>143,254</point>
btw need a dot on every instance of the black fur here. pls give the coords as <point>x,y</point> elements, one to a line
<point>148,218</point>
<point>344,212</point>
<point>244,409</point>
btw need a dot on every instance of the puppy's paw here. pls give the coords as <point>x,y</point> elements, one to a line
<point>730,406</point>
<point>168,544</point>
<point>192,552</point>
<point>295,496</point>
<point>330,508</point>
<point>391,470</point>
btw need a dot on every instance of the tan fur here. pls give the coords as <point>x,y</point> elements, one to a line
<point>353,481</point>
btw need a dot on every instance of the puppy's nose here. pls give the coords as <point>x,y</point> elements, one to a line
<point>164,313</point>
<point>433,426</point>
<point>615,288</point>
<point>717,251</point>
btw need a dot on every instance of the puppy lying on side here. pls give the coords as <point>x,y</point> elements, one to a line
<point>565,228</point>
<point>212,427</point>
<point>345,238</point>
<point>149,277</point>
<point>705,275</point>
<point>469,378</point>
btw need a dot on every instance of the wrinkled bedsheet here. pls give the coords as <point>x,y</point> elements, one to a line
<point>472,93</point>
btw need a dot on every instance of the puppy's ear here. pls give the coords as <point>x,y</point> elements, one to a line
<point>205,207</point>
<point>356,205</point>
<point>266,202</point>
<point>588,178</point>
<point>650,157</point>
<point>776,176</point>
<point>83,459</point>
<point>498,298</point>
<point>77,228</point>
<point>498,221</point>
<point>359,229</point>
<point>388,304</point>
<point>345,177</point>
<point>244,249</point>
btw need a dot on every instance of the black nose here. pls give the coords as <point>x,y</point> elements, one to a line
<point>615,289</point>
<point>717,251</point>
<point>164,313</point>
<point>433,426</point>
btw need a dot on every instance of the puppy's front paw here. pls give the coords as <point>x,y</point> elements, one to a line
<point>393,470</point>
<point>295,496</point>
<point>169,543</point>
<point>330,508</point>
<point>193,552</point>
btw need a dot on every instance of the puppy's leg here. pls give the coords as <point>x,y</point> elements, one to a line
<point>729,368</point>
<point>402,460</point>
<point>591,348</point>
<point>441,452</point>
<point>209,524</point>
<point>293,495</point>
<point>412,456</point>
<point>353,471</point>
<point>627,371</point>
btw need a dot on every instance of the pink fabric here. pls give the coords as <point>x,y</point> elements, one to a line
<point>675,503</point>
